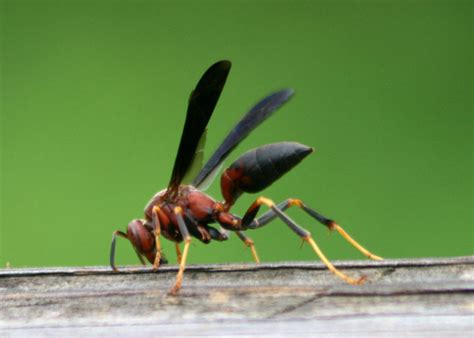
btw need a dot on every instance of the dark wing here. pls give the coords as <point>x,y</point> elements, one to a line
<point>201,105</point>
<point>198,161</point>
<point>249,122</point>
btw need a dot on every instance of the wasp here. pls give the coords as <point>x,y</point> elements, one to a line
<point>182,211</point>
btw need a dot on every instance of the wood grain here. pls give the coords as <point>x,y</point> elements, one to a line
<point>410,297</point>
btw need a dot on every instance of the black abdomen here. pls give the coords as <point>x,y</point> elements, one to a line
<point>259,168</point>
<point>264,165</point>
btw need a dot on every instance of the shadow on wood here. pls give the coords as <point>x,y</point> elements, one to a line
<point>422,297</point>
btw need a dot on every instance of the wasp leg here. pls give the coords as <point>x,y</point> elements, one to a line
<point>112,249</point>
<point>218,234</point>
<point>157,231</point>
<point>304,234</point>
<point>334,226</point>
<point>233,223</point>
<point>179,255</point>
<point>270,215</point>
<point>249,243</point>
<point>203,231</point>
<point>187,241</point>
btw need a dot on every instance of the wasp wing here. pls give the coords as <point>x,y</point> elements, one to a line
<point>197,162</point>
<point>201,105</point>
<point>209,179</point>
<point>244,127</point>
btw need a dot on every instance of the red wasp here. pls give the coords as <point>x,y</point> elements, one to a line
<point>182,211</point>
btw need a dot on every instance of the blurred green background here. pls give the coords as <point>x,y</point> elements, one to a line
<point>94,96</point>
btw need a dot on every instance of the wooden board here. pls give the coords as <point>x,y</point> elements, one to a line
<point>418,297</point>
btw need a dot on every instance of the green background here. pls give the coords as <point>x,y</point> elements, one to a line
<point>94,96</point>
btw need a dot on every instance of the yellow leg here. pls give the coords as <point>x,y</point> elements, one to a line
<point>331,267</point>
<point>332,225</point>
<point>179,256</point>
<point>156,262</point>
<point>354,243</point>
<point>307,238</point>
<point>178,211</point>
<point>179,278</point>
<point>248,242</point>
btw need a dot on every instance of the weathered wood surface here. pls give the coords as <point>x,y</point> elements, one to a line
<point>419,297</point>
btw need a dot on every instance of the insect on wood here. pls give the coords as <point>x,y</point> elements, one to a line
<point>183,211</point>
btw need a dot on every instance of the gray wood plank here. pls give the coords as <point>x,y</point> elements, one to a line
<point>417,297</point>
